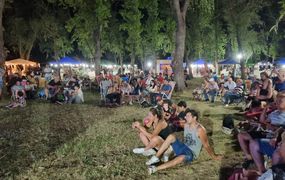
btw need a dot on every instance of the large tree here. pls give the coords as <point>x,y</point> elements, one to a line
<point>2,57</point>
<point>87,25</point>
<point>54,39</point>
<point>180,8</point>
<point>241,16</point>
<point>132,26</point>
<point>23,24</point>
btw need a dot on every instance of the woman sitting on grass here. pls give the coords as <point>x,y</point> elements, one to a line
<point>195,136</point>
<point>161,131</point>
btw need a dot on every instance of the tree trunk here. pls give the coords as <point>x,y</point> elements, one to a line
<point>2,52</point>
<point>97,51</point>
<point>133,58</point>
<point>180,9</point>
<point>240,49</point>
<point>28,54</point>
<point>121,64</point>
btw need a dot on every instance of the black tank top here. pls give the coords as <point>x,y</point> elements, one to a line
<point>165,132</point>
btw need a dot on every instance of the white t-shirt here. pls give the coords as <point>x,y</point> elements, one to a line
<point>231,86</point>
<point>277,118</point>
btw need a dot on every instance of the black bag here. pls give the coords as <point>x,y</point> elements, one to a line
<point>228,122</point>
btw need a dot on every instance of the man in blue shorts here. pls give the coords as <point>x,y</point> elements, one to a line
<point>195,136</point>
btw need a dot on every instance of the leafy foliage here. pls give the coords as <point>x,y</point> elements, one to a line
<point>132,26</point>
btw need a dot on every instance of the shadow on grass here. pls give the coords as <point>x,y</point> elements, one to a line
<point>34,132</point>
<point>232,158</point>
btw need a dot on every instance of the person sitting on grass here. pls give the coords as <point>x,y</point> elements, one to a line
<point>178,119</point>
<point>230,96</point>
<point>17,88</point>
<point>114,94</point>
<point>76,95</point>
<point>160,132</point>
<point>211,90</point>
<point>20,101</point>
<point>126,91</point>
<point>195,136</point>
<point>253,146</point>
<point>277,171</point>
<point>53,88</point>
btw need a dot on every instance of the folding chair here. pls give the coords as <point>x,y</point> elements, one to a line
<point>168,96</point>
<point>104,85</point>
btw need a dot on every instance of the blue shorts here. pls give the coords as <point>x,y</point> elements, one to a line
<point>265,147</point>
<point>1,84</point>
<point>180,148</point>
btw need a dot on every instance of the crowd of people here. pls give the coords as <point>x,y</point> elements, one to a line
<point>117,90</point>
<point>41,84</point>
<point>260,134</point>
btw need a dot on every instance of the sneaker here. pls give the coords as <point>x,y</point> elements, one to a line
<point>149,152</point>
<point>165,158</point>
<point>153,160</point>
<point>130,103</point>
<point>166,154</point>
<point>138,150</point>
<point>151,170</point>
<point>227,131</point>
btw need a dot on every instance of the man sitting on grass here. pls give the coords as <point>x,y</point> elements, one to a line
<point>255,146</point>
<point>195,136</point>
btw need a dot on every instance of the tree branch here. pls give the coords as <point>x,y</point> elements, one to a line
<point>185,7</point>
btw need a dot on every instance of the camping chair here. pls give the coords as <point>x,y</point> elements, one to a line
<point>241,101</point>
<point>168,96</point>
<point>104,85</point>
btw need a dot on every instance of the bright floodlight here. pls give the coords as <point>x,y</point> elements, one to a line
<point>239,56</point>
<point>149,64</point>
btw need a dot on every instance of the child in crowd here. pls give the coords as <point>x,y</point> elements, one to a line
<point>20,101</point>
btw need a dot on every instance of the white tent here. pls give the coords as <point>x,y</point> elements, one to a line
<point>13,65</point>
<point>20,62</point>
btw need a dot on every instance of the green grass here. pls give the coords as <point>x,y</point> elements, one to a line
<point>47,141</point>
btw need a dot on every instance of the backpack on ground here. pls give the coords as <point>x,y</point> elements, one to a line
<point>228,124</point>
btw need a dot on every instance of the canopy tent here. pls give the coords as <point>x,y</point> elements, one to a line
<point>280,61</point>
<point>20,62</point>
<point>228,62</point>
<point>20,66</point>
<point>199,62</point>
<point>66,60</point>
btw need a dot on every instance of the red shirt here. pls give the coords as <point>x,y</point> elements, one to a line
<point>160,79</point>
